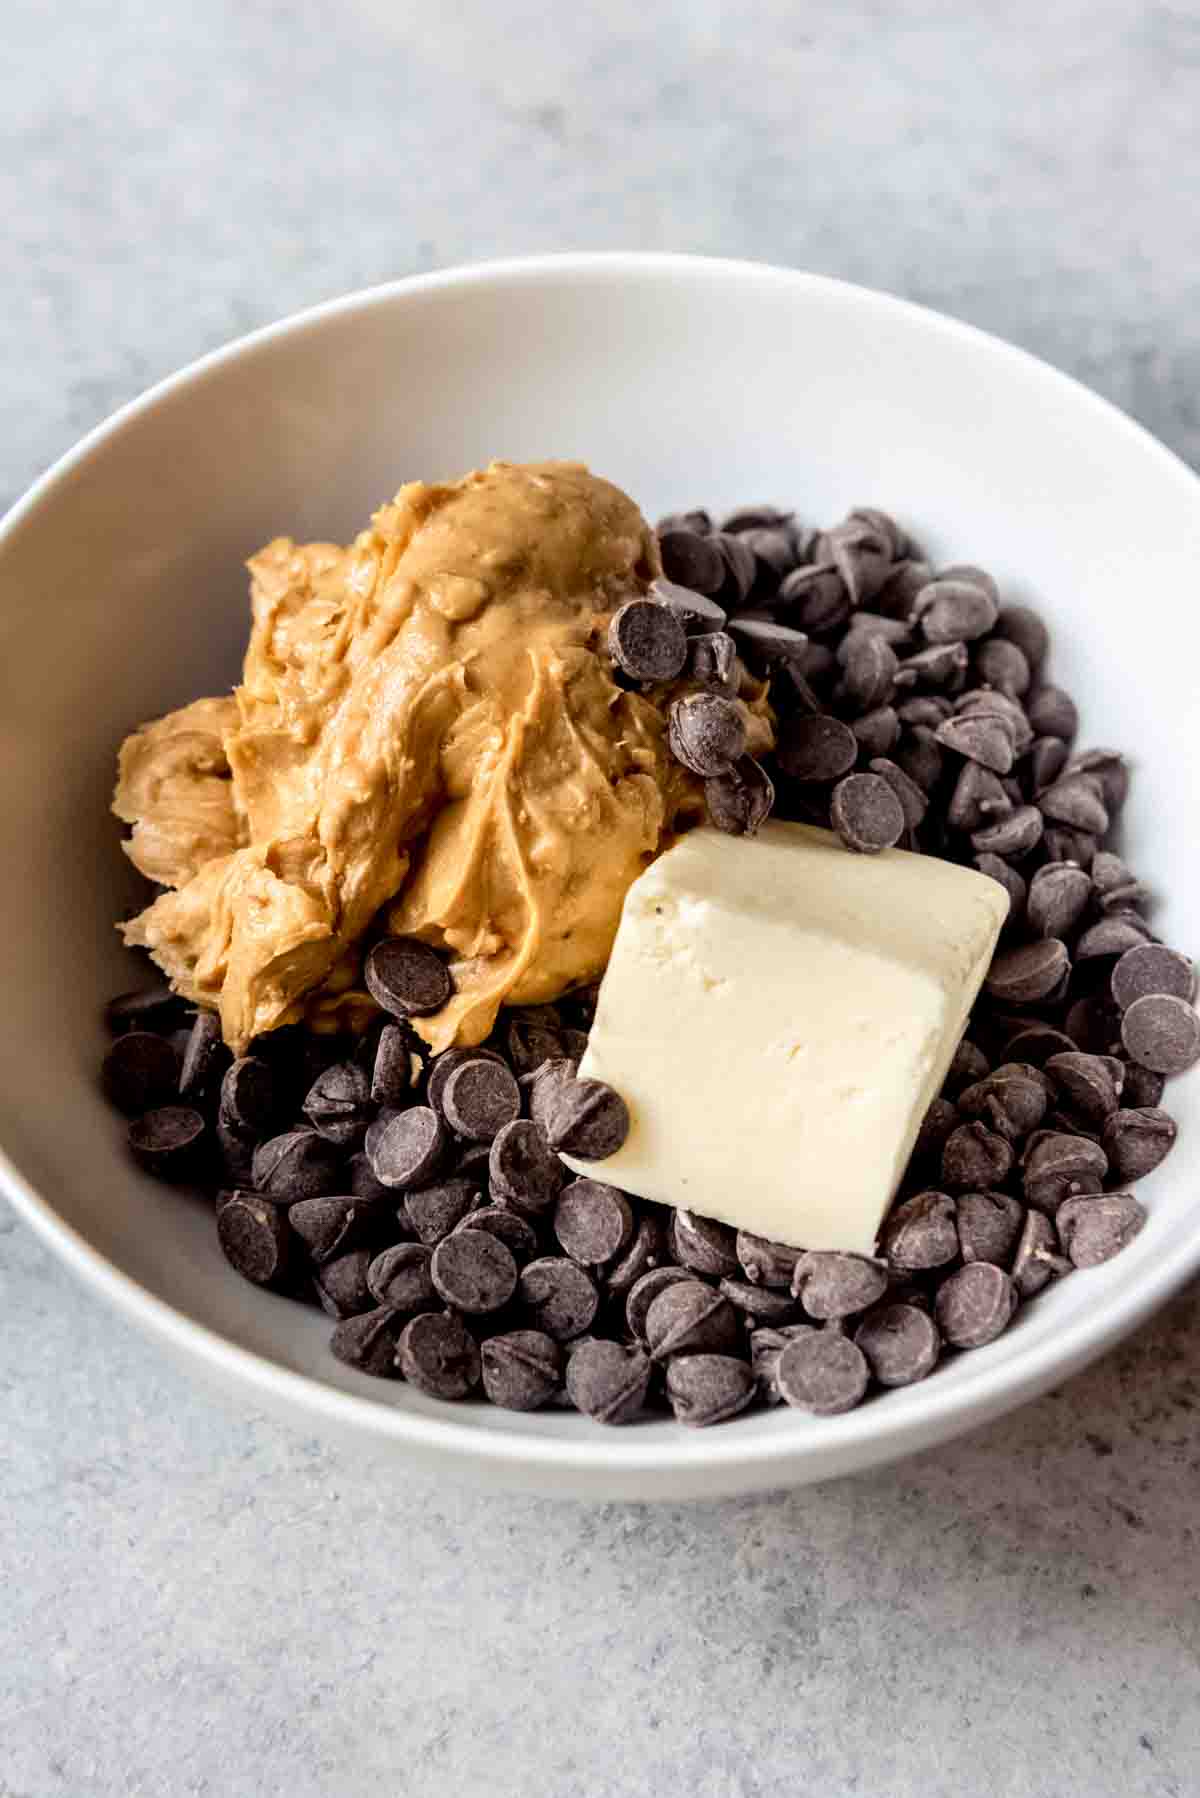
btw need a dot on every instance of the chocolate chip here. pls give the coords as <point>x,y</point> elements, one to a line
<point>831,1284</point>
<point>955,611</point>
<point>235,1155</point>
<point>767,1343</point>
<point>1012,1100</point>
<point>547,1087</point>
<point>518,1237</point>
<point>479,1097</point>
<point>523,1168</point>
<point>1056,1166</point>
<point>692,560</point>
<point>983,737</point>
<point>643,1253</point>
<point>913,802</point>
<point>989,1226</point>
<point>473,1271</point>
<point>155,1008</point>
<point>760,1302</point>
<point>438,1355</point>
<point>689,1318</point>
<point>1095,1229</point>
<point>337,1103</point>
<point>706,733</point>
<point>297,1166</point>
<point>1162,1033</point>
<point>921,1233</point>
<point>704,1246</point>
<point>1091,1083</point>
<point>1136,1140</point>
<point>589,1120</point>
<point>433,1211</point>
<point>368,1342</point>
<point>705,1389</point>
<point>1035,1043</point>
<point>522,1370</point>
<point>254,1238</point>
<point>877,733</point>
<point>341,1284</point>
<point>937,1126</point>
<point>400,1279</point>
<point>1075,802</point>
<point>1094,1024</point>
<point>407,1148</point>
<point>646,1289</point>
<point>1149,968</point>
<point>968,1066</point>
<point>764,1262</point>
<point>1003,665</point>
<point>815,598</point>
<point>592,1222</point>
<point>1023,626</point>
<point>1010,880</point>
<point>204,1058</point>
<point>1047,759</point>
<point>392,1072</point>
<point>975,1159</point>
<point>762,638</point>
<point>816,749</point>
<point>140,1070</point>
<point>329,1226</point>
<point>1037,1260</point>
<point>1058,896</point>
<point>1064,845</point>
<point>167,1142</point>
<point>607,1381</point>
<point>647,641</point>
<point>869,671</point>
<point>696,611</point>
<point>1142,1088</point>
<point>900,1343</point>
<point>753,518</point>
<point>943,667</point>
<point>361,1181</point>
<point>866,813</point>
<point>824,1373</point>
<point>978,800</point>
<point>1052,713</point>
<point>406,977</point>
<point>560,1296</point>
<point>712,660</point>
<point>974,1305</point>
<point>1032,972</point>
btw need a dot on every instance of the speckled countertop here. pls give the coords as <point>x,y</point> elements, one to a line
<point>197,1601</point>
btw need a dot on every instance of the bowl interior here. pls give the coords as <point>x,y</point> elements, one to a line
<point>122,593</point>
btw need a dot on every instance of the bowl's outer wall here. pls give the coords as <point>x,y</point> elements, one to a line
<point>122,593</point>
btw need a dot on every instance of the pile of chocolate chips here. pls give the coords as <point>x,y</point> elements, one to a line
<point>421,1202</point>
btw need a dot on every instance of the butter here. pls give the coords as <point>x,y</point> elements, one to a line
<point>778,1013</point>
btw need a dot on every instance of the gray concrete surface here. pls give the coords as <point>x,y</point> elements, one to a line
<point>199,1602</point>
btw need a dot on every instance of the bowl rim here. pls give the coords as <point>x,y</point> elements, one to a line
<point>864,1437</point>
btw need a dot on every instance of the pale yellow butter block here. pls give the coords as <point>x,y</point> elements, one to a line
<point>778,1014</point>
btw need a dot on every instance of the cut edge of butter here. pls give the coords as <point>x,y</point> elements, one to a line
<point>778,1014</point>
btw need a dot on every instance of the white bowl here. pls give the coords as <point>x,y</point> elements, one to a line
<point>687,381</point>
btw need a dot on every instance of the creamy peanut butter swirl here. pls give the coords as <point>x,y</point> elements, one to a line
<point>427,737</point>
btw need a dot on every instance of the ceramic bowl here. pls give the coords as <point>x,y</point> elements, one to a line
<point>687,381</point>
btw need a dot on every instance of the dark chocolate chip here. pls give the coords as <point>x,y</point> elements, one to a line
<point>761,1303</point>
<point>337,1103</point>
<point>607,1381</point>
<point>690,1318</point>
<point>1093,1230</point>
<point>523,1168</point>
<point>741,570</point>
<point>590,1120</point>
<point>1056,1166</point>
<point>1034,971</point>
<point>697,520</point>
<point>900,1342</point>
<point>767,1343</point>
<point>392,1072</point>
<point>1162,1033</point>
<point>955,611</point>
<point>712,660</point>
<point>937,1126</point>
<point>140,1070</point>
<point>560,1297</point>
<point>705,1389</point>
<point>1047,759</point>
<point>644,1252</point>
<point>692,560</point>
<point>443,1065</point>
<point>433,1211</point>
<point>593,1222</point>
<point>254,1238</point>
<point>1142,1087</point>
<point>1034,1044</point>
<point>920,1233</point>
<point>1091,1084</point>
<point>204,1058</point>
<point>341,1284</point>
<point>1003,665</point>
<point>866,813</point>
<point>816,749</point>
<point>913,801</point>
<point>480,1097</point>
<point>1012,1100</point>
<point>975,1305</point>
<point>518,1237</point>
<point>647,641</point>
<point>1038,1259</point>
<point>989,1226</point>
<point>399,1278</point>
<point>155,1008</point>
<point>329,1226</point>
<point>406,977</point>
<point>249,1102</point>
<point>646,1289</point>
<point>983,737</point>
<point>1151,968</point>
<point>1023,626</point>
<point>361,1181</point>
<point>439,1355</point>
<point>815,598</point>
<point>831,1284</point>
<point>168,1142</point>
<point>704,1246</point>
<point>760,636</point>
<point>975,1159</point>
<point>548,1086</point>
<point>407,1148</point>
<point>1095,1025</point>
<point>877,733</point>
<point>766,1263</point>
<point>1052,713</point>
<point>824,1373</point>
<point>706,733</point>
<point>869,671</point>
<point>473,1271</point>
<point>522,1370</point>
<point>968,1066</point>
<point>979,799</point>
<point>740,801</point>
<point>368,1342</point>
<point>1137,1139</point>
<point>1058,896</point>
<point>1074,800</point>
<point>696,611</point>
